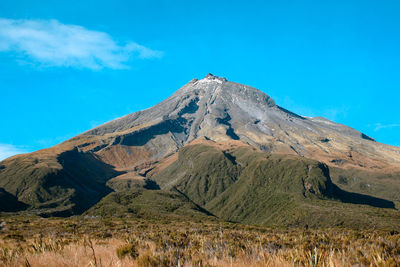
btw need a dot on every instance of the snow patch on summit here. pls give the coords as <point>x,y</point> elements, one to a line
<point>206,80</point>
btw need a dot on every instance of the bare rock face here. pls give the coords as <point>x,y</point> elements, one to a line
<point>219,110</point>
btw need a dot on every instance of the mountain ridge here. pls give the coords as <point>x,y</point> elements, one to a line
<point>206,107</point>
<point>132,152</point>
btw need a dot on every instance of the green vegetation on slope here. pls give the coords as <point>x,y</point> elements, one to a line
<point>56,184</point>
<point>142,203</point>
<point>201,172</point>
<point>239,184</point>
<point>383,185</point>
<point>270,189</point>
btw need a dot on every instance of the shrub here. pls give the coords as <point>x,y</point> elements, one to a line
<point>148,260</point>
<point>127,250</point>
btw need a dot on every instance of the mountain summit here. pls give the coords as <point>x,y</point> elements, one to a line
<point>220,110</point>
<point>207,141</point>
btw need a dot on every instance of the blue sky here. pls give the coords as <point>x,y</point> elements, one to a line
<point>67,66</point>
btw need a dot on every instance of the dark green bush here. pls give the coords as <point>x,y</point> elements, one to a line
<point>128,250</point>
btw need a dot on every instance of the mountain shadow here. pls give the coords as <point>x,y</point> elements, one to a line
<point>356,198</point>
<point>57,184</point>
<point>86,175</point>
<point>10,203</point>
<point>151,185</point>
<point>335,192</point>
<point>230,131</point>
<point>141,137</point>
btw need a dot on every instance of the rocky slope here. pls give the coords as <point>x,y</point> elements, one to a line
<point>143,149</point>
<point>221,110</point>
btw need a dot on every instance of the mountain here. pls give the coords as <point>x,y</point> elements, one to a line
<point>216,143</point>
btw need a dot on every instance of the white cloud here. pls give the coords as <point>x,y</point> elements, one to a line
<point>332,113</point>
<point>7,150</point>
<point>379,126</point>
<point>52,43</point>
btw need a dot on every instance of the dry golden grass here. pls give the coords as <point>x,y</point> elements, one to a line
<point>117,242</point>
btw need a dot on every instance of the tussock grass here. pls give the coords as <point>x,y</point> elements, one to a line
<point>137,242</point>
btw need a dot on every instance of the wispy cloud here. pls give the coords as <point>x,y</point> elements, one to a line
<point>379,126</point>
<point>7,150</point>
<point>336,113</point>
<point>332,113</point>
<point>51,43</point>
<point>52,141</point>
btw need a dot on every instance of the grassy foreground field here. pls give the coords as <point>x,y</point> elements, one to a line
<point>91,241</point>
